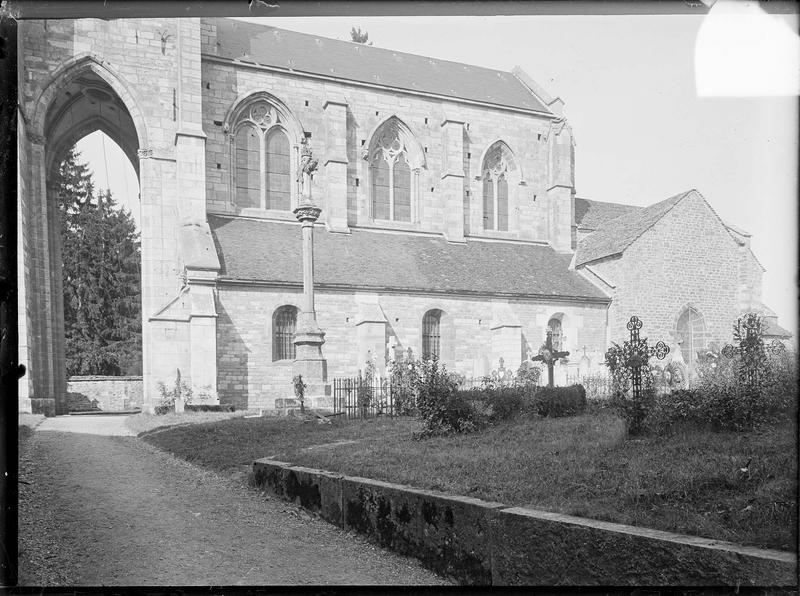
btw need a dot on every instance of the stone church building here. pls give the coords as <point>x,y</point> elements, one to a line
<point>449,222</point>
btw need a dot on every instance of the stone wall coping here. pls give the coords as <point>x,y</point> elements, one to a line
<point>84,378</point>
<point>503,509</point>
<point>686,539</point>
<point>316,471</point>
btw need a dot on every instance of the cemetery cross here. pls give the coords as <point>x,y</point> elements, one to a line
<point>752,349</point>
<point>549,355</point>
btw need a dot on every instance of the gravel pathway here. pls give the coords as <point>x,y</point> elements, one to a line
<point>103,509</point>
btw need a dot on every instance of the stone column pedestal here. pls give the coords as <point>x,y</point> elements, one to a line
<point>309,361</point>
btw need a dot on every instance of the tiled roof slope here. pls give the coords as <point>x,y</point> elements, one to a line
<point>617,234</point>
<point>301,52</point>
<point>272,251</point>
<point>775,330</point>
<point>590,215</point>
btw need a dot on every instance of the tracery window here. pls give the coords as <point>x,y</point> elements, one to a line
<point>497,167</point>
<point>395,160</point>
<point>262,159</point>
<point>431,336</point>
<point>284,323</point>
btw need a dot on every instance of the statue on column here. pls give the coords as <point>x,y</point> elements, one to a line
<point>305,169</point>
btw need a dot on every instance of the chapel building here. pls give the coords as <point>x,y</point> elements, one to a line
<point>449,220</point>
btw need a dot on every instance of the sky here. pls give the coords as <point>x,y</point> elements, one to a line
<point>658,104</point>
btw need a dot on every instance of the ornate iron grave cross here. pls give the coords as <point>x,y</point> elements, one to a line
<point>549,355</point>
<point>748,331</point>
<point>633,356</point>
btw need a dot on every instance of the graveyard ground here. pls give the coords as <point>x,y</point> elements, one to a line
<point>690,482</point>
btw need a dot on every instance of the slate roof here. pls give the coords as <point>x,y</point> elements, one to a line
<point>775,330</point>
<point>258,250</point>
<point>301,52</point>
<point>617,234</point>
<point>590,215</point>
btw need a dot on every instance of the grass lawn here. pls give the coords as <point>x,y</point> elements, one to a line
<point>140,423</point>
<point>689,482</point>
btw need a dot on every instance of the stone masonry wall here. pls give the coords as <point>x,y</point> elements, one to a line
<point>113,394</point>
<point>366,109</point>
<point>248,377</point>
<point>139,60</point>
<point>686,258</point>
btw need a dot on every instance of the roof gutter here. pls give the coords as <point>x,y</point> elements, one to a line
<point>222,281</point>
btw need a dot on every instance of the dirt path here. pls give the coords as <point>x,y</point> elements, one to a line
<point>102,509</point>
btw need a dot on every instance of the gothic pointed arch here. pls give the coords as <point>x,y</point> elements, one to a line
<point>500,173</point>
<point>395,158</point>
<point>265,140</point>
<point>690,332</point>
<point>54,120</point>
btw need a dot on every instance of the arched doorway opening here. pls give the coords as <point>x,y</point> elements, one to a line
<point>79,102</point>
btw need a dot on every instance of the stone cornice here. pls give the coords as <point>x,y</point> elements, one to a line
<point>222,282</point>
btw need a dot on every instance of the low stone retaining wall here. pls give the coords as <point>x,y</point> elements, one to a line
<point>482,543</point>
<point>110,394</point>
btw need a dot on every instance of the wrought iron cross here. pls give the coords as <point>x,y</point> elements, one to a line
<point>548,355</point>
<point>751,348</point>
<point>636,354</point>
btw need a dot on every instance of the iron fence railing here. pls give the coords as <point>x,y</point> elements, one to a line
<point>368,397</point>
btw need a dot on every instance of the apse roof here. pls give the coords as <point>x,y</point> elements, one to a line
<point>590,215</point>
<point>615,235</point>
<point>258,250</point>
<point>305,53</point>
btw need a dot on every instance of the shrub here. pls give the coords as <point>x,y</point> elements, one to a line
<point>210,408</point>
<point>554,402</point>
<point>669,409</point>
<point>442,409</point>
<point>404,380</point>
<point>300,391</point>
<point>168,396</point>
<point>494,404</point>
<point>719,401</point>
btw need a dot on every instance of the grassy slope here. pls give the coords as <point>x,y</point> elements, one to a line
<point>688,483</point>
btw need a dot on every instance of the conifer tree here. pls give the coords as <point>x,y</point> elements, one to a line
<point>101,274</point>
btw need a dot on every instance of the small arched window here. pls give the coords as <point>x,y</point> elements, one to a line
<point>261,155</point>
<point>395,159</point>
<point>431,334</point>
<point>284,323</point>
<point>497,165</point>
<point>556,333</point>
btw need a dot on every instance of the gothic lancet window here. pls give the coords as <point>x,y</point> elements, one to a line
<point>284,322</point>
<point>431,336</point>
<point>395,161</point>
<point>261,158</point>
<point>495,171</point>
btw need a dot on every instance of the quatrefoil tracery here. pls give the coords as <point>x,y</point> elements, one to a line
<point>263,114</point>
<point>390,146</point>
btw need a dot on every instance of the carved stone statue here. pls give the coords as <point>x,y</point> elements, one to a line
<point>306,169</point>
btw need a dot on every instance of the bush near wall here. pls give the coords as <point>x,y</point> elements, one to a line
<point>554,402</point>
<point>719,402</point>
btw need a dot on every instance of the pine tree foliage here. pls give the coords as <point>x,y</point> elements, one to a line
<point>101,274</point>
